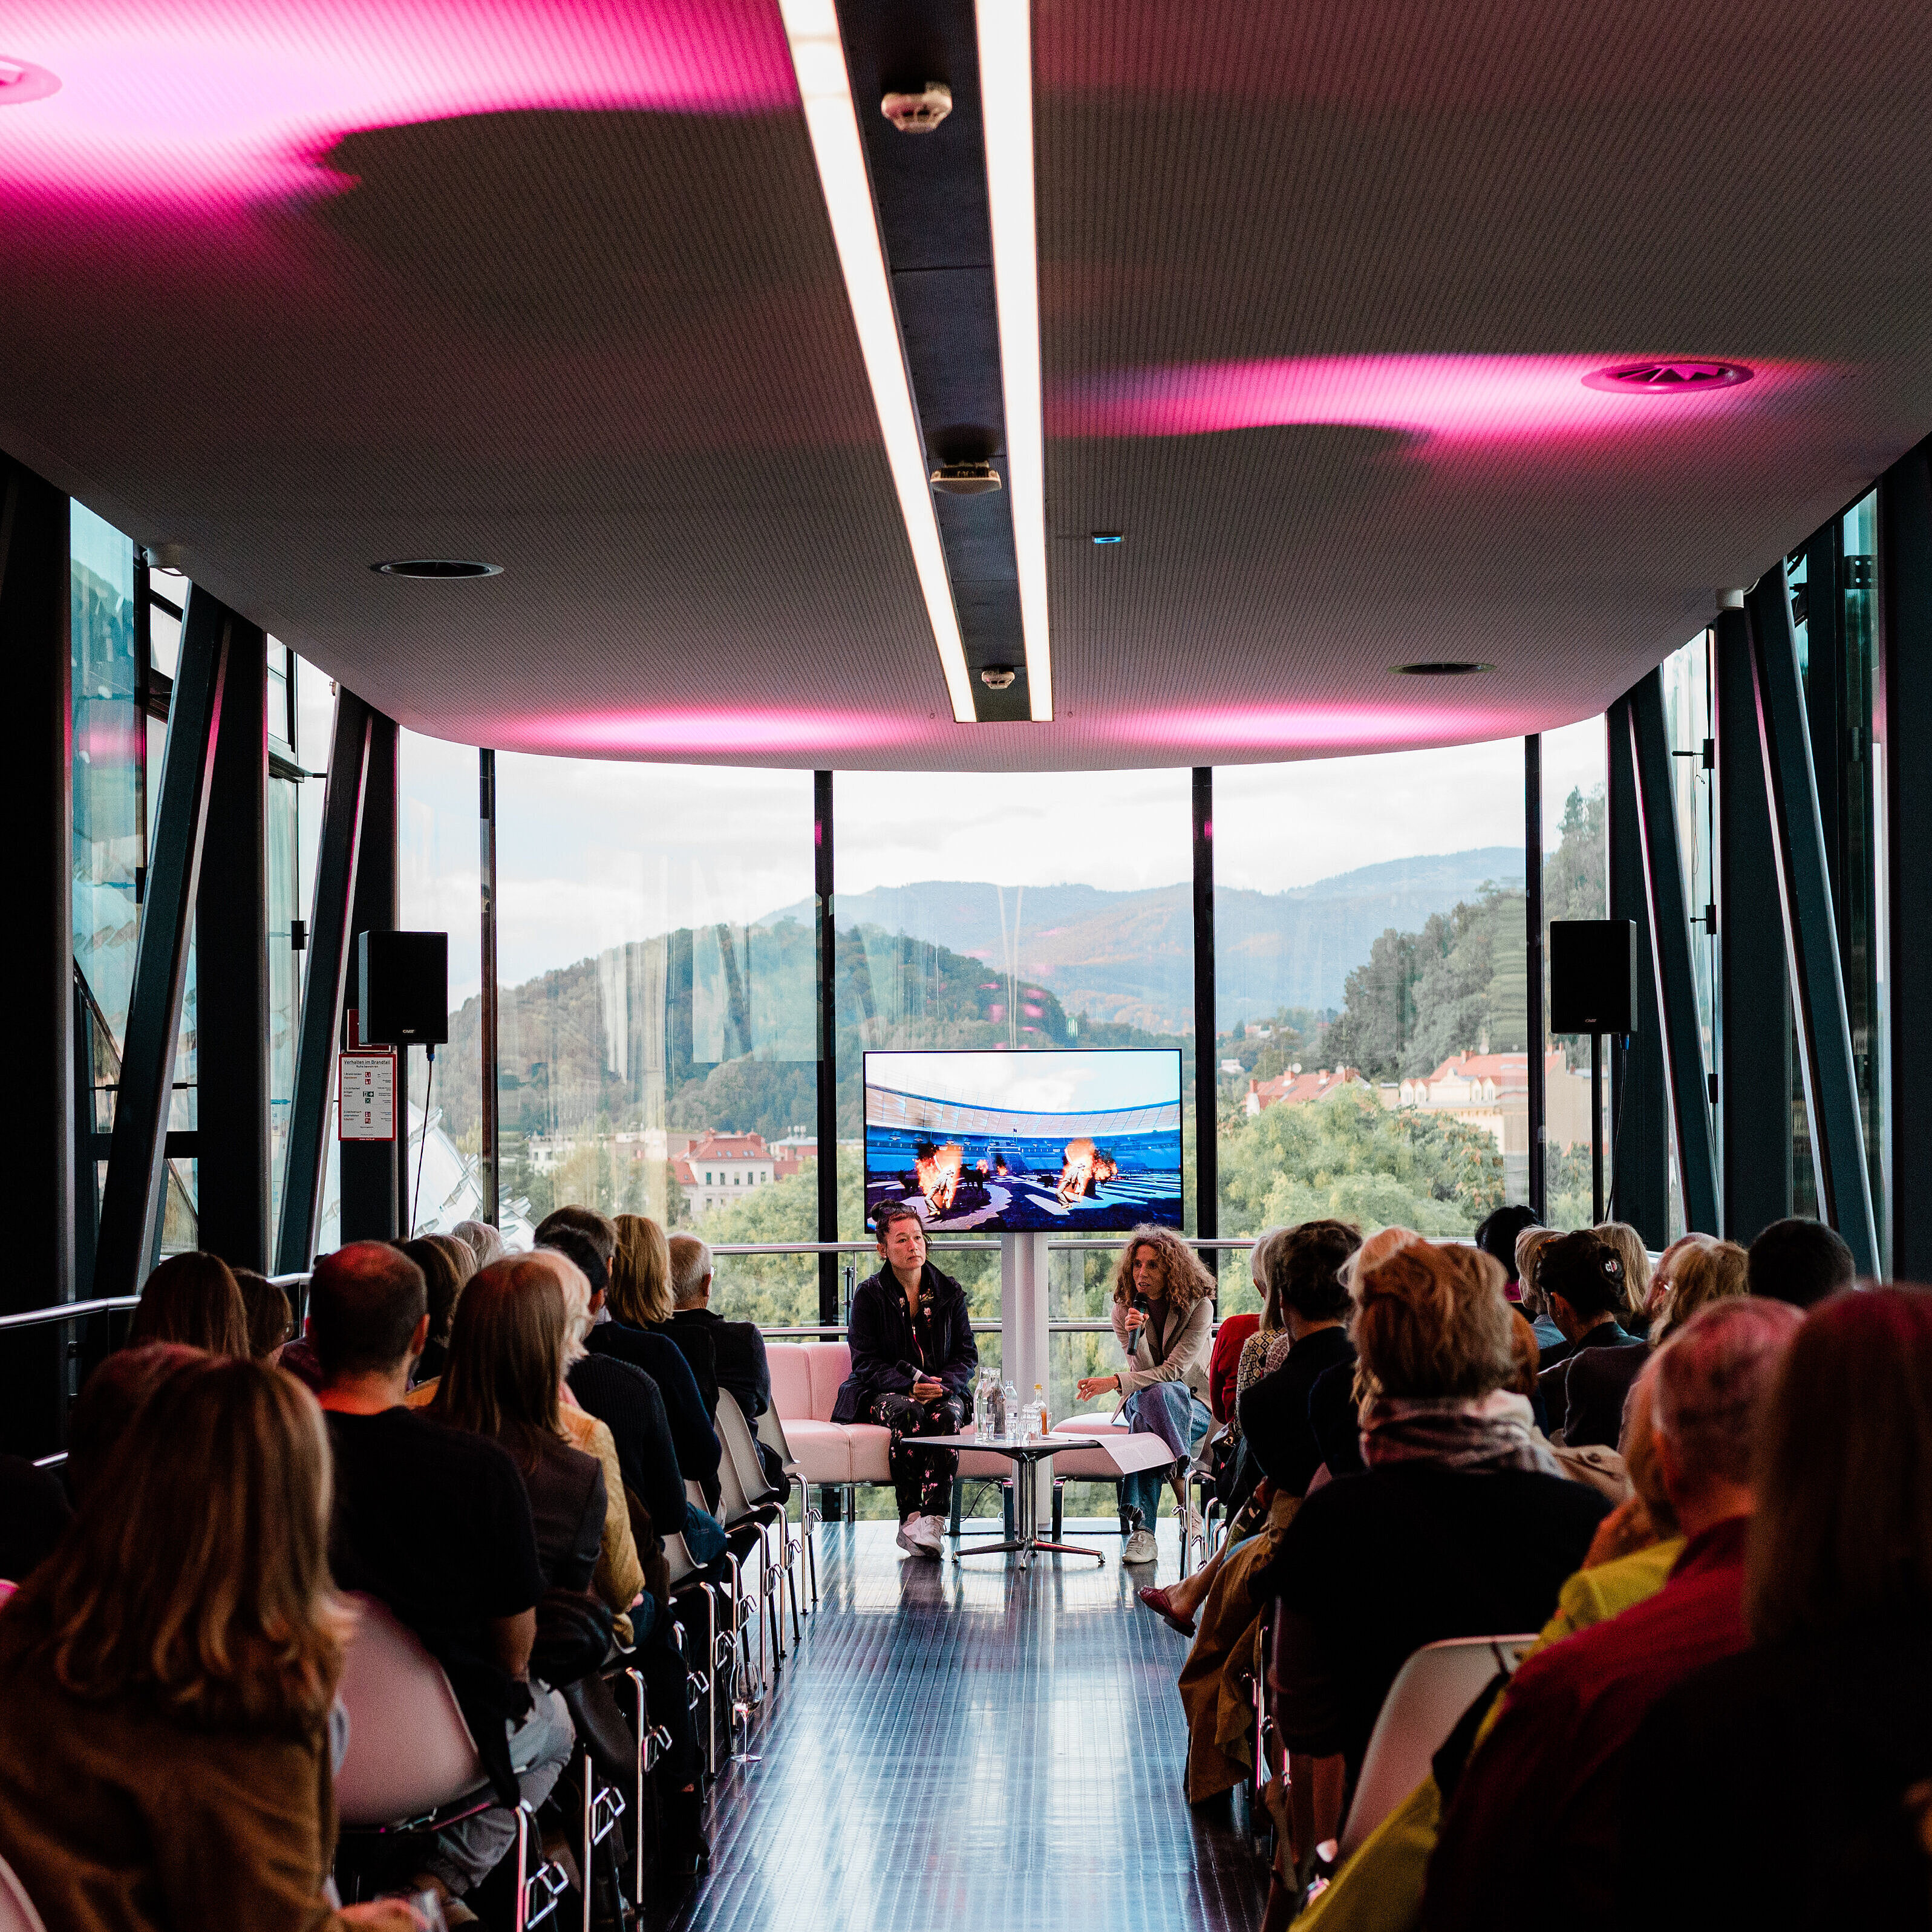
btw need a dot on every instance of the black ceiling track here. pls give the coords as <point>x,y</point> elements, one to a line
<point>934,220</point>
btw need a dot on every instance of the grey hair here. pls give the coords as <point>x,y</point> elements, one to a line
<point>690,1264</point>
<point>481,1240</point>
<point>576,1286</point>
<point>1262,1258</point>
<point>1714,1376</point>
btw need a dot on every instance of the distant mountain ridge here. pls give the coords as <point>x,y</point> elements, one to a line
<point>1127,955</point>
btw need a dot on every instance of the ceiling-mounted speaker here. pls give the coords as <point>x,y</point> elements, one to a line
<point>404,988</point>
<point>1593,975</point>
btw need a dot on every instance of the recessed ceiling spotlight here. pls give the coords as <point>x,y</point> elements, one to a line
<point>1107,536</point>
<point>1667,378</point>
<point>918,113</point>
<point>998,677</point>
<point>1441,667</point>
<point>21,82</point>
<point>438,568</point>
<point>966,479</point>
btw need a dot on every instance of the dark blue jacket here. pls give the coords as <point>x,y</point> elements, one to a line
<point>884,1355</point>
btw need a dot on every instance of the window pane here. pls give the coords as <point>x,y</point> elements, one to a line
<point>657,952</point>
<point>284,981</point>
<point>1576,885</point>
<point>1369,959</point>
<point>1015,911</point>
<point>438,890</point>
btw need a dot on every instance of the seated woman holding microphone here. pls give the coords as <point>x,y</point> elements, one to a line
<point>1163,1312</point>
<point>913,1359</point>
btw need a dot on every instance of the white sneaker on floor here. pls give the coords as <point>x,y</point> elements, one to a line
<point>935,1527</point>
<point>917,1538</point>
<point>1141,1548</point>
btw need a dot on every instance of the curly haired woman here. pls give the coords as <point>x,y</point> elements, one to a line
<point>1163,1313</point>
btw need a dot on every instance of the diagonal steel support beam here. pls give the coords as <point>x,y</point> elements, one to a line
<point>1905,588</point>
<point>1676,978</point>
<point>130,1204</point>
<point>329,938</point>
<point>1810,930</point>
<point>1753,990</point>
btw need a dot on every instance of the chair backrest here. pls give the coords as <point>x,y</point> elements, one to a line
<point>410,1750</point>
<point>741,1451</point>
<point>830,1364</point>
<point>791,1381</point>
<point>1431,1691</point>
<point>772,1434</point>
<point>733,1505</point>
<point>17,1908</point>
<point>677,1557</point>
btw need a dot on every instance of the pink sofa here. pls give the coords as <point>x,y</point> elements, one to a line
<point>806,1376</point>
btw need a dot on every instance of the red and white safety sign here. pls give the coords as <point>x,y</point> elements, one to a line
<point>367,1097</point>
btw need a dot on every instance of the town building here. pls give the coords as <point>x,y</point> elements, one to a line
<point>1294,1088</point>
<point>715,1168</point>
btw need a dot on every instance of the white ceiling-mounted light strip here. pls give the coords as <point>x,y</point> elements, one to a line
<point>1006,95</point>
<point>818,58</point>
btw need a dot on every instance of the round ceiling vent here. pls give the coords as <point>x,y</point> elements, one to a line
<point>21,81</point>
<point>1667,378</point>
<point>438,568</point>
<point>1441,667</point>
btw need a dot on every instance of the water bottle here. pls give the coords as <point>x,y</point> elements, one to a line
<point>1009,1411</point>
<point>984,1401</point>
<point>1038,1410</point>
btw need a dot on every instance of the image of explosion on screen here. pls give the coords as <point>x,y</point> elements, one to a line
<point>996,1184</point>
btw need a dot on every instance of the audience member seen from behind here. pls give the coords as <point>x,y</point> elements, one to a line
<point>1529,1245</point>
<point>1530,1837</point>
<point>1581,1278</point>
<point>1498,1233</point>
<point>737,1349</point>
<point>442,1280</point>
<point>1801,1262</point>
<point>638,1288</point>
<point>1459,1527</point>
<point>436,1523</point>
<point>502,1380</point>
<point>271,1320</point>
<point>192,1298</point>
<point>485,1243</point>
<point>913,1359</point>
<point>1628,1245</point>
<point>643,1257</point>
<point>1163,1315</point>
<point>1806,1761</point>
<point>165,1733</point>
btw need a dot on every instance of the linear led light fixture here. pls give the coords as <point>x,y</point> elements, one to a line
<point>818,58</point>
<point>1006,94</point>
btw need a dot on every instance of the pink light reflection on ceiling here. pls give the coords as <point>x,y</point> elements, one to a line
<point>217,98</point>
<point>665,734</point>
<point>1458,398</point>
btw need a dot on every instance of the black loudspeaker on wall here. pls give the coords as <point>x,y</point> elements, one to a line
<point>1593,975</point>
<point>404,978</point>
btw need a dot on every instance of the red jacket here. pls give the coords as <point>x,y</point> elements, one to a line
<point>1229,1339</point>
<point>1529,1839</point>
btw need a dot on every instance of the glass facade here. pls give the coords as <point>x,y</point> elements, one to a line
<point>1576,885</point>
<point>658,1044</point>
<point>1371,996</point>
<point>658,950</point>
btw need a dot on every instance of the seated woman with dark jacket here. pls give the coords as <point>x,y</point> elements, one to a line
<point>1460,1526</point>
<point>913,1360</point>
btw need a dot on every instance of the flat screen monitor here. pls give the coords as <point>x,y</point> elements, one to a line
<point>1075,1142</point>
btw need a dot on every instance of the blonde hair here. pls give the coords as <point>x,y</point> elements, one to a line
<point>1636,1259</point>
<point>1637,1444</point>
<point>1711,1271</point>
<point>1184,1281</point>
<point>640,1273</point>
<point>1432,1321</point>
<point>1529,1245</point>
<point>197,1572</point>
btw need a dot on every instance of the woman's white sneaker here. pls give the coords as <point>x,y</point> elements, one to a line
<point>1141,1548</point>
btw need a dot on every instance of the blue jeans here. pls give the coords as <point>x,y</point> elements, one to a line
<point>1189,1421</point>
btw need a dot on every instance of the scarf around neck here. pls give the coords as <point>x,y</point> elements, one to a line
<point>1477,1435</point>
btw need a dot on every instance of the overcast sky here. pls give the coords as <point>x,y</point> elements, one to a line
<point>590,854</point>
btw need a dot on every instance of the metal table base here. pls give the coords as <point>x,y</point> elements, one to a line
<point>1025,1456</point>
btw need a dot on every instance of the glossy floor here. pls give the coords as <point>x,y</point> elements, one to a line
<point>969,1747</point>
